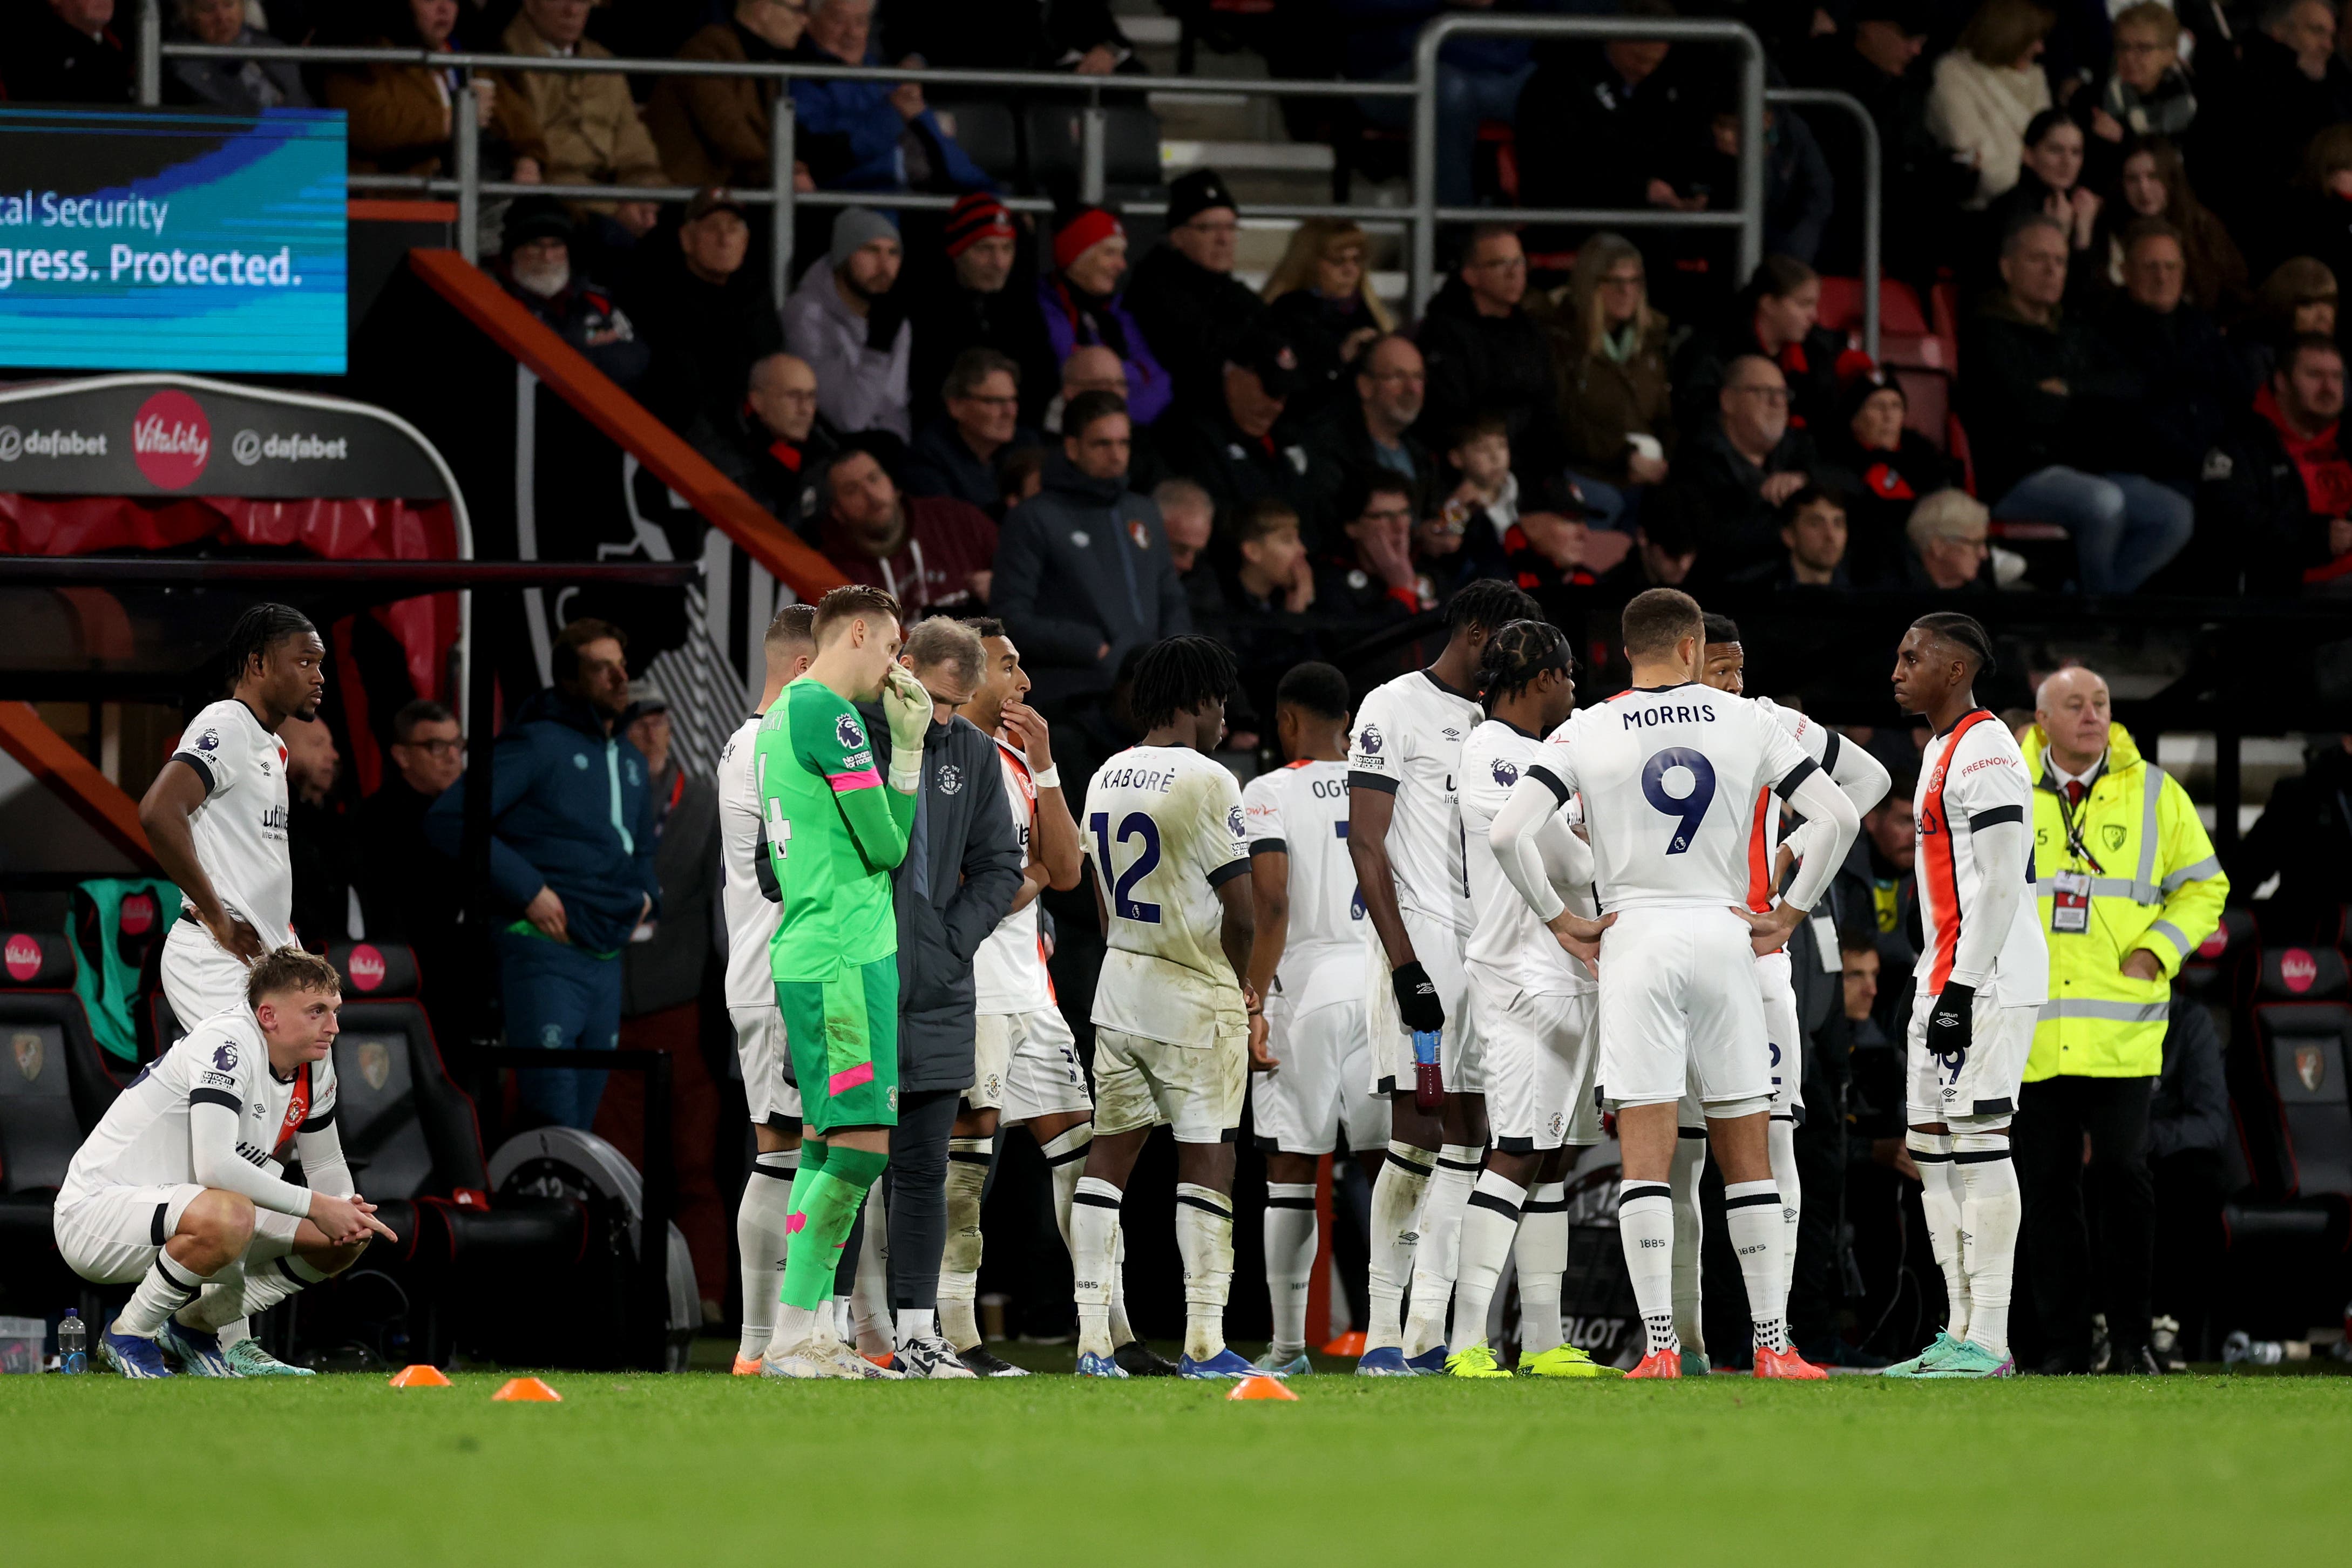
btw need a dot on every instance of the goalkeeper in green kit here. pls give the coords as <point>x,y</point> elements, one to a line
<point>834,832</point>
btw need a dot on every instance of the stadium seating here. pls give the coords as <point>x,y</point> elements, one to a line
<point>416,1150</point>
<point>2290,1224</point>
<point>53,1089</point>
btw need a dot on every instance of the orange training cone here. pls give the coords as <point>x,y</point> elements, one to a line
<point>421,1375</point>
<point>1261,1388</point>
<point>1348,1345</point>
<point>528,1390</point>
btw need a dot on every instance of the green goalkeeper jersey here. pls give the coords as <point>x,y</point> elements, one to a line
<point>835,831</point>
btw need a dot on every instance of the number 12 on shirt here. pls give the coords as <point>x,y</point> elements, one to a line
<point>1138,825</point>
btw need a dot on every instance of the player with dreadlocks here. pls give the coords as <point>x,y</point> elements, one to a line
<point>1531,1006</point>
<point>216,818</point>
<point>1163,834</point>
<point>1982,982</point>
<point>1404,834</point>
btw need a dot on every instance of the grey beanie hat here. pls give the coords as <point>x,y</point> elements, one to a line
<point>856,228</point>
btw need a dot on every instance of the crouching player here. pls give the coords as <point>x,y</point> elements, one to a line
<point>179,1187</point>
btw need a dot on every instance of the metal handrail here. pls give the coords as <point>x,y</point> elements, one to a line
<point>1421,220</point>
<point>1749,214</point>
<point>1873,194</point>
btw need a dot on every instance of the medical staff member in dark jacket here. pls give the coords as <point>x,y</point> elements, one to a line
<point>572,863</point>
<point>963,868</point>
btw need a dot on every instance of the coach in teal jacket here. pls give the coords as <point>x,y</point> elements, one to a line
<point>572,863</point>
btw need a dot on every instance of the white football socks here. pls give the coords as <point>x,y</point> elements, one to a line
<point>1121,1330</point>
<point>1094,1234</point>
<point>1289,1262</point>
<point>959,1258</point>
<point>240,1291</point>
<point>1989,1209</point>
<point>1204,1240</point>
<point>166,1287</point>
<point>1751,1218</point>
<point>1396,1209</point>
<point>1541,1254</point>
<point>1439,1253</point>
<point>1939,1197</point>
<point>1781,1141</point>
<point>1489,1222</point>
<point>1690,1236</point>
<point>1645,1227</point>
<point>761,1239</point>
<point>1066,1162</point>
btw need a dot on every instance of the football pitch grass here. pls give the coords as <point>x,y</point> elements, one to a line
<point>698,1468</point>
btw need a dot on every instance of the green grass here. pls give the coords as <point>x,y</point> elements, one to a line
<point>698,1469</point>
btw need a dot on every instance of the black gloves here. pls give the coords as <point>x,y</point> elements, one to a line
<point>1951,1021</point>
<point>1416,998</point>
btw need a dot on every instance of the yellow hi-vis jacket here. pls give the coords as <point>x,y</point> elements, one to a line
<point>2156,884</point>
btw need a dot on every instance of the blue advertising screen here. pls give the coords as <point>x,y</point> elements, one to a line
<point>160,240</point>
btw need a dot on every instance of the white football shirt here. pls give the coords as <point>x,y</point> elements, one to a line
<point>1508,945</point>
<point>751,916</point>
<point>1670,778</point>
<point>1300,811</point>
<point>1009,971</point>
<point>1973,776</point>
<point>1408,742</point>
<point>1164,830</point>
<point>240,829</point>
<point>142,1140</point>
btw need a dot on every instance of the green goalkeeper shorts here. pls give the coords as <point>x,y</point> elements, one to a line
<point>843,1034</point>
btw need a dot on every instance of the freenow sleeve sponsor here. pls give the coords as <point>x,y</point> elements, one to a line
<point>165,240</point>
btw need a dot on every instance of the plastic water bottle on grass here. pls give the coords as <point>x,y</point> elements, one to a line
<point>73,1343</point>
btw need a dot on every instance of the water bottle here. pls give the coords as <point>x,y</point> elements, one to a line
<point>1428,1082</point>
<point>73,1343</point>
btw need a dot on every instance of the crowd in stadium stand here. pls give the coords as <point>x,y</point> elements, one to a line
<point>2134,216</point>
<point>2135,219</point>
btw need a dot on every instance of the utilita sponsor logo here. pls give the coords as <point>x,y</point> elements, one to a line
<point>367,968</point>
<point>15,444</point>
<point>22,957</point>
<point>172,440</point>
<point>2297,969</point>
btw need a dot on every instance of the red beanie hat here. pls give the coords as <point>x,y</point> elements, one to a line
<point>977,217</point>
<point>1089,227</point>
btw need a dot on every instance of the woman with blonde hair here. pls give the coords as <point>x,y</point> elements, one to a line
<point>1322,299</point>
<point>1988,88</point>
<point>1610,345</point>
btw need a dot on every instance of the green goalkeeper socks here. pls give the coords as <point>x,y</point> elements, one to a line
<point>826,1197</point>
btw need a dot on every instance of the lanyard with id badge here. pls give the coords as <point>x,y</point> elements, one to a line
<point>2070,894</point>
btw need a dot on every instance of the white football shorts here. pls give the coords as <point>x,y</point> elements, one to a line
<point>1027,1065</point>
<point>1438,946</point>
<point>1195,1089</point>
<point>1985,1080</point>
<point>1679,1009</point>
<point>1541,1053</point>
<point>759,1048</point>
<point>1322,1084</point>
<point>200,977</point>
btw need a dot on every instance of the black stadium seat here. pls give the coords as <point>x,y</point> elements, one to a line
<point>53,1089</point>
<point>2302,1021</point>
<point>415,1151</point>
<point>987,133</point>
<point>2289,1227</point>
